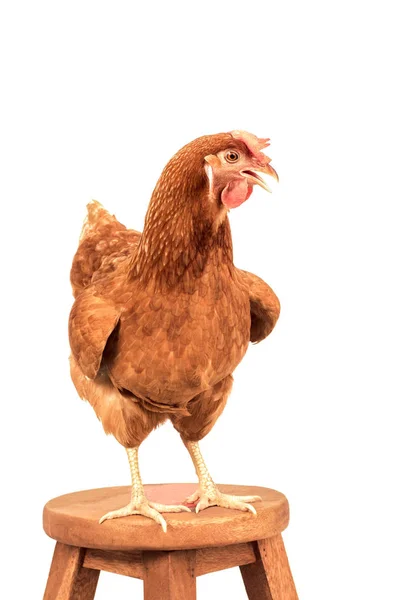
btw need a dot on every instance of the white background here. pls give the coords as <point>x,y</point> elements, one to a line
<point>96,97</point>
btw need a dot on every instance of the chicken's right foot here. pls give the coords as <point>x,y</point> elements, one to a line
<point>147,509</point>
<point>139,505</point>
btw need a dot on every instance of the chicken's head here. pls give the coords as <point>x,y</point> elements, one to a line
<point>233,170</point>
<point>187,214</point>
<point>207,177</point>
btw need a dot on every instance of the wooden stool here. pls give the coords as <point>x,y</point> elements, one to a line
<point>168,563</point>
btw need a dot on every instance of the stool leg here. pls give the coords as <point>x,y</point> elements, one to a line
<point>68,579</point>
<point>169,575</point>
<point>269,578</point>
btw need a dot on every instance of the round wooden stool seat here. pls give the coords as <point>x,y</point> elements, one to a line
<point>73,519</point>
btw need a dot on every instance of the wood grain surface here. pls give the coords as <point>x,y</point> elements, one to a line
<point>74,519</point>
<point>208,560</point>
<point>68,579</point>
<point>169,575</point>
<point>115,561</point>
<point>269,578</point>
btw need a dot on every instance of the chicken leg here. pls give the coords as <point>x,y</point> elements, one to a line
<point>208,493</point>
<point>139,504</point>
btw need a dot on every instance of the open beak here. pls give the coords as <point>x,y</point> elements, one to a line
<point>254,177</point>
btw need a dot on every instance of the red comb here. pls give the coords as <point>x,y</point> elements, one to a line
<point>254,144</point>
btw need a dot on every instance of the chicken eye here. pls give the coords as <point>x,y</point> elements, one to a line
<point>232,156</point>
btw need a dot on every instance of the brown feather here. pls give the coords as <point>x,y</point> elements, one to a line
<point>119,414</point>
<point>91,322</point>
<point>264,306</point>
<point>104,243</point>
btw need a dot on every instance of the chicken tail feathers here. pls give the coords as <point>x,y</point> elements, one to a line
<point>96,217</point>
<point>103,244</point>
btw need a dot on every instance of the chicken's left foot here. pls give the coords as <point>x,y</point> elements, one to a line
<point>208,494</point>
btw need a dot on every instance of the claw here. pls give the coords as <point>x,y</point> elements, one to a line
<point>169,508</point>
<point>247,498</point>
<point>224,500</point>
<point>204,503</point>
<point>193,498</point>
<point>246,506</point>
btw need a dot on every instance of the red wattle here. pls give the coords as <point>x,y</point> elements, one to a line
<point>236,192</point>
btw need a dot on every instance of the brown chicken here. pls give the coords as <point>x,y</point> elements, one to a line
<point>162,319</point>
